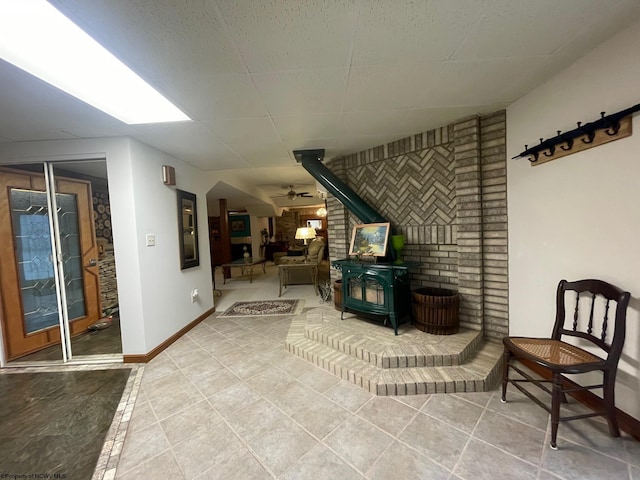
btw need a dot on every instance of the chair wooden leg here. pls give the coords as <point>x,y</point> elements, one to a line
<point>556,398</point>
<point>609,402</point>
<point>506,356</point>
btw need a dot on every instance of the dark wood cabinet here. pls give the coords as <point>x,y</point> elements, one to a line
<point>377,289</point>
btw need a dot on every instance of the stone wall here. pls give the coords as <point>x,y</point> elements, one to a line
<point>104,237</point>
<point>288,223</point>
<point>444,189</point>
<point>108,282</point>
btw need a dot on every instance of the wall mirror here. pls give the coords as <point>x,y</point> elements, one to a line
<point>188,230</point>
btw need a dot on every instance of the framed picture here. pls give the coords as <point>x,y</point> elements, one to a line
<point>240,225</point>
<point>369,239</point>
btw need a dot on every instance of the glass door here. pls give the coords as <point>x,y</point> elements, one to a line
<point>50,290</point>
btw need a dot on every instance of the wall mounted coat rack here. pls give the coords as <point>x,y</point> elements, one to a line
<point>604,130</point>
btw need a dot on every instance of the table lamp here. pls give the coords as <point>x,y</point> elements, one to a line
<point>305,233</point>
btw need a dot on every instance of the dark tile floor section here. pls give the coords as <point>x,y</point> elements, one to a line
<point>55,423</point>
<point>99,342</point>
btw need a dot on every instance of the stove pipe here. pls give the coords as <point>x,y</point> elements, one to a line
<point>311,160</point>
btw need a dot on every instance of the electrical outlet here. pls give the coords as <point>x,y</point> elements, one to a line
<point>151,239</point>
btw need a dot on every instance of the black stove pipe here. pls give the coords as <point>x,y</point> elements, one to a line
<point>311,160</point>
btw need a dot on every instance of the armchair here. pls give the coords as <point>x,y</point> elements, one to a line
<point>315,253</point>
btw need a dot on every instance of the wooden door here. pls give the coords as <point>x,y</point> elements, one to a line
<point>28,299</point>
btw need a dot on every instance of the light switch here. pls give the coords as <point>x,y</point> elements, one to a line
<point>151,239</point>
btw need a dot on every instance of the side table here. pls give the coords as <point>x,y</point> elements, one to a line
<point>284,274</point>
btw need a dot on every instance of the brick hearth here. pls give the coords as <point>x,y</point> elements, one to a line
<point>369,355</point>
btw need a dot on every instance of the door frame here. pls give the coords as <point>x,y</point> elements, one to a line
<point>39,181</point>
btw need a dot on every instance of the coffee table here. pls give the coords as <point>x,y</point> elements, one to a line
<point>246,265</point>
<point>284,270</point>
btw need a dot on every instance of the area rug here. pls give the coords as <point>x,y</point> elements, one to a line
<point>264,307</point>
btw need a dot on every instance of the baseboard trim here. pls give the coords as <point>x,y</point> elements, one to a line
<point>626,422</point>
<point>147,357</point>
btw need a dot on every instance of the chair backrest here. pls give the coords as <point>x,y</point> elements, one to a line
<point>315,246</point>
<point>591,304</point>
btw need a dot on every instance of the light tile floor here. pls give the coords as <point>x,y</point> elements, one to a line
<point>227,401</point>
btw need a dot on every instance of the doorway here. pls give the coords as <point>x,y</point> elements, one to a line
<point>50,265</point>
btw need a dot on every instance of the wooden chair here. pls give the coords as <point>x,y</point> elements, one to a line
<point>586,353</point>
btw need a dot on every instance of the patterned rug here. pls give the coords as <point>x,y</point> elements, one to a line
<point>264,307</point>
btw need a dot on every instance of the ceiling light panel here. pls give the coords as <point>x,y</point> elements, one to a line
<point>37,38</point>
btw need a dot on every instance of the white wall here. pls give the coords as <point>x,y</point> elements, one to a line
<point>165,290</point>
<point>578,216</point>
<point>154,294</point>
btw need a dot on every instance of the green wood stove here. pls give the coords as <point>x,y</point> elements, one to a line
<point>380,288</point>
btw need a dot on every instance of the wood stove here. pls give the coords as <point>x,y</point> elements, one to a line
<point>380,288</point>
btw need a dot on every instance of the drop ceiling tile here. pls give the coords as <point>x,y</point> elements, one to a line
<point>615,19</point>
<point>190,141</point>
<point>417,120</point>
<point>518,29</point>
<point>335,147</point>
<point>379,87</point>
<point>210,97</point>
<point>157,36</point>
<point>383,122</point>
<point>221,161</point>
<point>264,154</point>
<point>494,81</point>
<point>291,34</point>
<point>308,126</point>
<point>245,130</point>
<point>393,33</point>
<point>302,91</point>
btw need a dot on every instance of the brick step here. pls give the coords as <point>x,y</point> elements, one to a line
<point>451,351</point>
<point>479,372</point>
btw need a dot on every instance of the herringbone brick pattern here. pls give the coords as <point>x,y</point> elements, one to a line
<point>413,189</point>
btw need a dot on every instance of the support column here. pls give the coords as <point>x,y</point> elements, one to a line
<point>469,219</point>
<point>225,237</point>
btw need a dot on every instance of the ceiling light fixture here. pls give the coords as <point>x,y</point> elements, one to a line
<point>37,38</point>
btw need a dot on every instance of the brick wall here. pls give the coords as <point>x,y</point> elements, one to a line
<point>445,190</point>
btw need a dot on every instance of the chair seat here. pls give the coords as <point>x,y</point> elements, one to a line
<point>552,353</point>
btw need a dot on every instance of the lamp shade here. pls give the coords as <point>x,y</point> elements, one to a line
<point>305,233</point>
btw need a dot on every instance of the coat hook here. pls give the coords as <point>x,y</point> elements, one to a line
<point>611,128</point>
<point>569,141</point>
<point>552,150</point>
<point>589,133</point>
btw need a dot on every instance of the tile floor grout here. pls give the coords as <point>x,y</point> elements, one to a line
<point>310,425</point>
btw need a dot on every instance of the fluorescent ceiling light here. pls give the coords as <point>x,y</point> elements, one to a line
<point>37,38</point>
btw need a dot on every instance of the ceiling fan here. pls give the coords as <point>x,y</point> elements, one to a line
<point>292,194</point>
